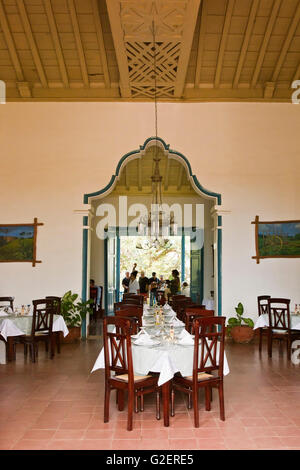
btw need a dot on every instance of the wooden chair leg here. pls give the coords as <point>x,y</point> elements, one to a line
<point>130,410</point>
<point>289,349</point>
<point>172,402</point>
<point>57,340</point>
<point>157,405</point>
<point>196,410</point>
<point>120,394</point>
<point>106,403</point>
<point>260,340</point>
<point>221,400</point>
<point>142,401</point>
<point>207,398</point>
<point>270,344</point>
<point>189,401</point>
<point>136,402</point>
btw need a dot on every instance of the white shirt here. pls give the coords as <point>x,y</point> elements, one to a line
<point>185,291</point>
<point>133,287</point>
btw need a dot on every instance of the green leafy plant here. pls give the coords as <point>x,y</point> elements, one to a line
<point>73,312</point>
<point>239,319</point>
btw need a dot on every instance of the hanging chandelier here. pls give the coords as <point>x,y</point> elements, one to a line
<point>158,224</point>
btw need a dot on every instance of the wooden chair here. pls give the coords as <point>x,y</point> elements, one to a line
<point>207,365</point>
<point>41,330</point>
<point>280,324</point>
<point>131,313</point>
<point>192,313</point>
<point>57,306</point>
<point>7,302</point>
<point>262,304</point>
<point>118,360</point>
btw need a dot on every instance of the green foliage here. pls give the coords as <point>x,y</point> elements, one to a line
<point>161,260</point>
<point>73,312</point>
<point>239,319</point>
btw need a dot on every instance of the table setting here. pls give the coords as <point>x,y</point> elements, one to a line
<point>18,322</point>
<point>163,346</point>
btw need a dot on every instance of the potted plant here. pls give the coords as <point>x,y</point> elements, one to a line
<point>73,312</point>
<point>240,333</point>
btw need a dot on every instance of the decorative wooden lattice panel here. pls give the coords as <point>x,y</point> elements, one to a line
<point>143,74</point>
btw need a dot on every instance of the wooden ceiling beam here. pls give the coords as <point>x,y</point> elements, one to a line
<point>225,32</point>
<point>10,44</point>
<point>297,74</point>
<point>56,41</point>
<point>82,61</point>
<point>186,44</point>
<point>113,8</point>
<point>244,49</point>
<point>265,42</point>
<point>287,43</point>
<point>202,31</point>
<point>32,43</point>
<point>99,31</point>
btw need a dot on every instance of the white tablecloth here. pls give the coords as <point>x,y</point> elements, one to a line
<point>8,327</point>
<point>263,321</point>
<point>165,359</point>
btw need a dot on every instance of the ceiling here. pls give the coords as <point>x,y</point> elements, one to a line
<point>135,177</point>
<point>206,50</point>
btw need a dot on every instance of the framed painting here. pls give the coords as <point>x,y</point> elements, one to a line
<point>277,239</point>
<point>18,243</point>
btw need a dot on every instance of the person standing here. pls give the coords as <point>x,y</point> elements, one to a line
<point>175,282</point>
<point>125,282</point>
<point>144,284</point>
<point>153,286</point>
<point>134,287</point>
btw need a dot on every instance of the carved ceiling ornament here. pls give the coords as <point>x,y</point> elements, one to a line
<point>168,17</point>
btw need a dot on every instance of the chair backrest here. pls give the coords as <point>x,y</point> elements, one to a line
<point>43,311</point>
<point>279,314</point>
<point>209,345</point>
<point>7,302</point>
<point>56,303</point>
<point>117,347</point>
<point>125,305</point>
<point>133,299</point>
<point>129,314</point>
<point>262,304</point>
<point>195,312</point>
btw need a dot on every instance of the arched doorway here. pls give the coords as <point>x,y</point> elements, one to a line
<point>179,183</point>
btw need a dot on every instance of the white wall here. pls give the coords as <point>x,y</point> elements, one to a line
<point>53,153</point>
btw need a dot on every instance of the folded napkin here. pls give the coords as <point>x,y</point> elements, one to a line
<point>142,338</point>
<point>185,338</point>
<point>4,311</point>
<point>167,307</point>
<point>177,322</point>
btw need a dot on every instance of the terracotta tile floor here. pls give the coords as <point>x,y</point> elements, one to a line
<point>58,404</point>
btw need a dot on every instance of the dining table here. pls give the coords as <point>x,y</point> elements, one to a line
<point>13,324</point>
<point>263,321</point>
<point>163,356</point>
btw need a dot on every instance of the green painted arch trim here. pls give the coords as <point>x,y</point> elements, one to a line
<point>142,148</point>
